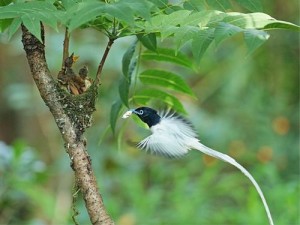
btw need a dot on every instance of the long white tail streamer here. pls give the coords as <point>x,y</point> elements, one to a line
<point>228,159</point>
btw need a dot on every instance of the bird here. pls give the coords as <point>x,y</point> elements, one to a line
<point>173,136</point>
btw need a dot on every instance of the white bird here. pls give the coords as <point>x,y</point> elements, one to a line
<point>172,136</point>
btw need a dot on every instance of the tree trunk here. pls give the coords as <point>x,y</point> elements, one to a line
<point>72,115</point>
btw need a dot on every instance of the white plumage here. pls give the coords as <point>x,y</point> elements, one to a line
<point>174,137</point>
<point>169,137</point>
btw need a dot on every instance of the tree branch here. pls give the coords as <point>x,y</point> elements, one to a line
<point>72,115</point>
<point>101,64</point>
<point>66,46</point>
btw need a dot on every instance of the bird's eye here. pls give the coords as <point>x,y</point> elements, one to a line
<point>141,112</point>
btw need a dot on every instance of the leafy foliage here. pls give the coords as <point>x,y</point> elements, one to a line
<point>144,96</point>
<point>149,18</point>
<point>168,55</point>
<point>30,13</point>
<point>225,30</point>
<point>195,24</point>
<point>146,17</point>
<point>128,62</point>
<point>165,79</point>
<point>148,40</point>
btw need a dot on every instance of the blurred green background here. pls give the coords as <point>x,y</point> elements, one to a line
<point>247,107</point>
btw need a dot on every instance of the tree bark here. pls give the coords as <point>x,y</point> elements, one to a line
<point>72,115</point>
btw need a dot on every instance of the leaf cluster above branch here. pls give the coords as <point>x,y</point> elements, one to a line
<point>195,24</point>
<point>187,20</point>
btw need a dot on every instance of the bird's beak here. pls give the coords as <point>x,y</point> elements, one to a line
<point>128,113</point>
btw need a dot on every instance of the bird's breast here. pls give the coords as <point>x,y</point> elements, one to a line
<point>158,129</point>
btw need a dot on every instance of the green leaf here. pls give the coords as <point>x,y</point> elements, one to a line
<point>282,25</point>
<point>194,5</point>
<point>254,39</point>
<point>10,11</point>
<point>257,21</point>
<point>127,60</point>
<point>161,22</point>
<point>201,42</point>
<point>4,24</point>
<point>145,95</point>
<point>225,30</point>
<point>47,18</point>
<point>28,8</point>
<point>124,91</point>
<point>16,23</point>
<point>174,18</point>
<point>67,4</point>
<point>168,55</point>
<point>120,10</point>
<point>33,25</point>
<point>165,79</point>
<point>114,114</point>
<point>203,18</point>
<point>32,12</point>
<point>184,34</point>
<point>148,40</point>
<point>167,31</point>
<point>160,3</point>
<point>176,22</point>
<point>83,12</point>
<point>222,5</point>
<point>141,8</point>
<point>5,2</point>
<point>211,18</point>
<point>252,5</point>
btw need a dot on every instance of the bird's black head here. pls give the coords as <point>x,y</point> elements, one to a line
<point>147,115</point>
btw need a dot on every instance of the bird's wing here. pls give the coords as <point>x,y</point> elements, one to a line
<point>169,137</point>
<point>167,140</point>
<point>226,158</point>
<point>160,144</point>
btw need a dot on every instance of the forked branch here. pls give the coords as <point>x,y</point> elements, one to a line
<point>65,109</point>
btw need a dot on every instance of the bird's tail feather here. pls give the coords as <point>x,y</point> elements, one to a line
<point>230,160</point>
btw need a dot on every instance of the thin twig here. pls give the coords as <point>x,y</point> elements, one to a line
<point>66,46</point>
<point>101,64</point>
<point>42,33</point>
<point>75,191</point>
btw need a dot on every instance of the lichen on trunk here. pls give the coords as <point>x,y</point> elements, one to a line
<point>72,114</point>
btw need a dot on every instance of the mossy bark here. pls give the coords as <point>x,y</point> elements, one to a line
<point>72,115</point>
